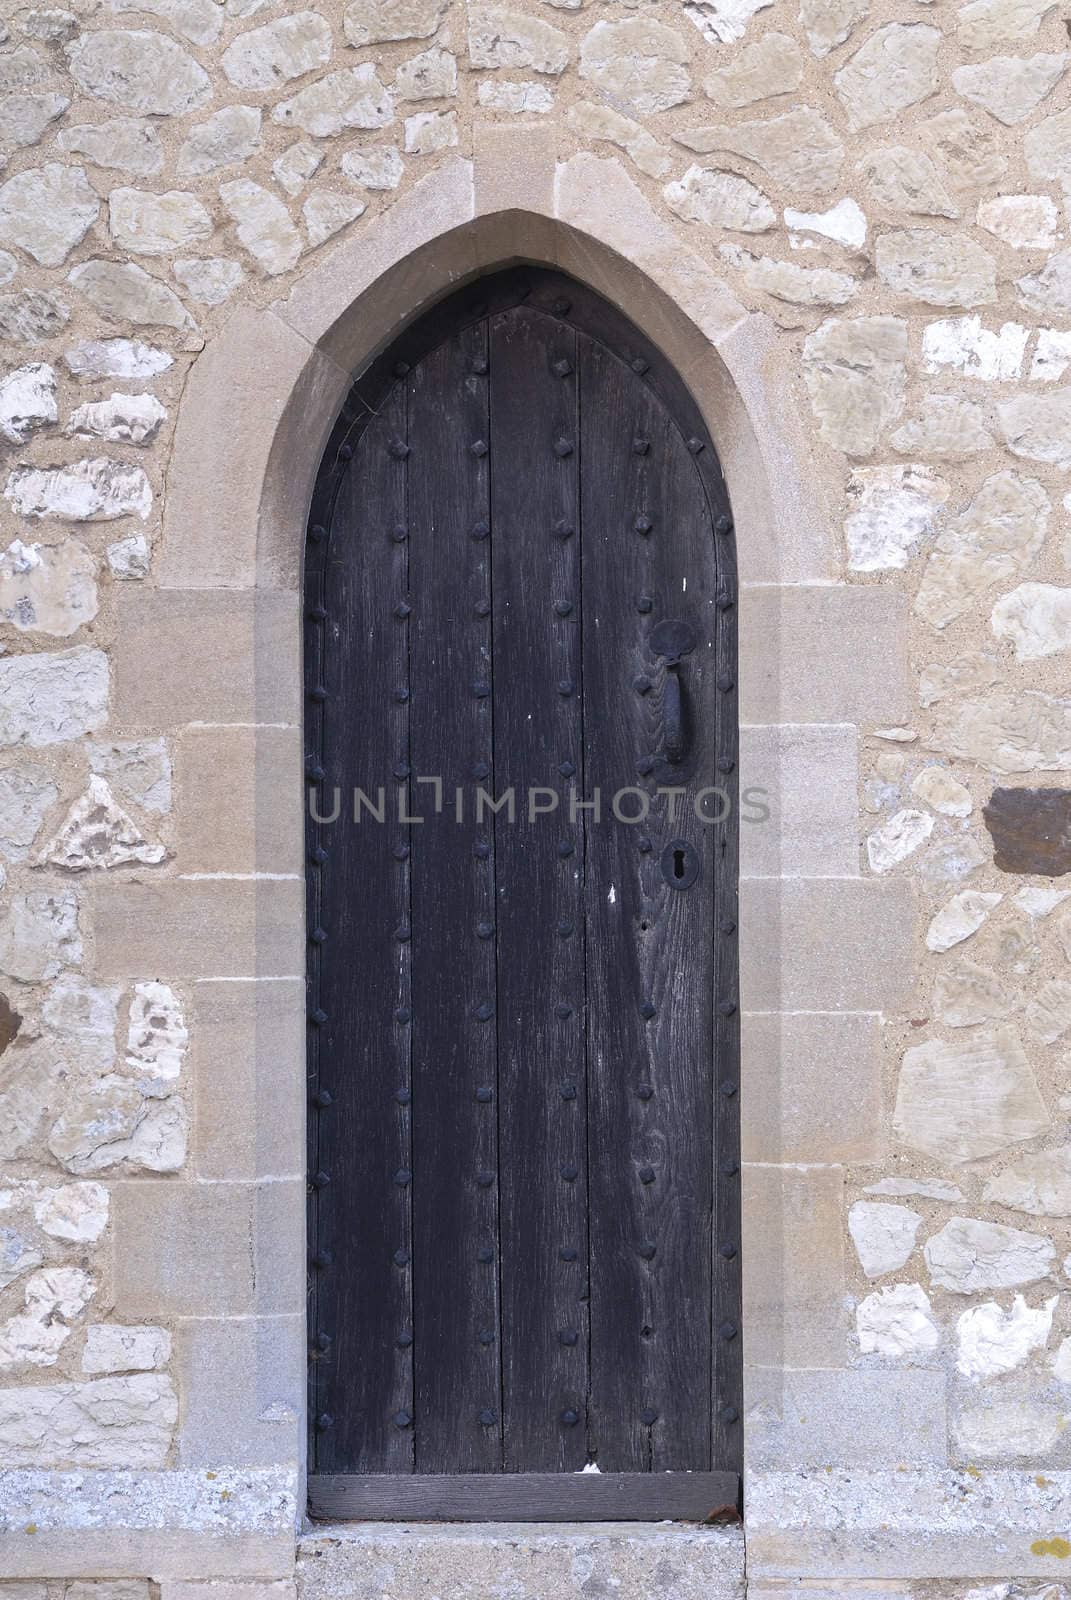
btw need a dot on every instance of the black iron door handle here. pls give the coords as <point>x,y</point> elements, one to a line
<point>671,639</point>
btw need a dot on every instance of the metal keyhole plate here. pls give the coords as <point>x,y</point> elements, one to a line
<point>680,864</point>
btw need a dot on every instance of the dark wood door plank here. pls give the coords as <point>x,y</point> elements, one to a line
<point>531,1497</point>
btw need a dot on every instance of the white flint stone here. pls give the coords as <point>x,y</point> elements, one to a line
<point>124,292</point>
<point>228,136</point>
<point>883,1235</point>
<point>897,1321</point>
<point>963,344</point>
<point>897,839</point>
<point>108,1422</point>
<point>157,1035</point>
<point>893,69</point>
<point>97,833</point>
<point>967,1255</point>
<point>947,427</point>
<point>39,934</point>
<point>48,588</point>
<point>1036,617</point>
<point>430,131</point>
<point>326,212</point>
<point>52,697</point>
<point>601,122</point>
<point>1039,1184</point>
<point>293,169</point>
<point>138,69</point>
<point>720,200</point>
<point>263,225</point>
<point>47,210</point>
<point>1010,1428</point>
<point>116,358</point>
<point>125,144</point>
<point>936,787</point>
<point>966,994</point>
<point>353,98</point>
<point>498,37</point>
<point>98,490</point>
<point>1052,355</point>
<point>55,1298</point>
<point>379,167</point>
<point>431,75</point>
<point>1024,221</point>
<point>27,401</point>
<point>1038,426</point>
<point>797,149</point>
<point>27,794</point>
<point>951,859</point>
<point>266,57</point>
<point>210,280</point>
<point>129,557</point>
<point>111,1347</point>
<point>907,180</point>
<point>1010,87</point>
<point>844,223</point>
<point>25,117</point>
<point>639,61</point>
<point>992,1341</point>
<point>377,21</point>
<point>517,98</point>
<point>140,769</point>
<point>76,1212</point>
<point>854,370</point>
<point>1061,1363</point>
<point>723,21</point>
<point>967,1099</point>
<point>121,419</point>
<point>896,508</point>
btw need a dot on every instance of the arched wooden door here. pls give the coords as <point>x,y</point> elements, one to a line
<point>524,1213</point>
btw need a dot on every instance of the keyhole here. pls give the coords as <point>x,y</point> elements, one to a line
<point>678,864</point>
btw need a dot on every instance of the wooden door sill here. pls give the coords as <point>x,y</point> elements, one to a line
<point>709,1497</point>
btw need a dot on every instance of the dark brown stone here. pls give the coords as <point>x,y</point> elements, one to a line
<point>10,1023</point>
<point>1031,830</point>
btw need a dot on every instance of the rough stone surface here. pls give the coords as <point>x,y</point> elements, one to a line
<point>1024,221</point>
<point>27,401</point>
<point>964,1100</point>
<point>855,371</point>
<point>226,137</point>
<point>639,60</point>
<point>771,66</point>
<point>883,1235</point>
<point>293,169</point>
<point>1009,87</point>
<point>115,1422</point>
<point>720,200</point>
<point>967,1255</point>
<point>1038,426</point>
<point>208,280</point>
<point>97,490</point>
<point>47,211</point>
<point>354,98</point>
<point>938,788</point>
<point>377,21</point>
<point>116,358</point>
<point>902,180</point>
<point>502,38</point>
<point>996,537</point>
<point>992,1341</point>
<point>603,123</point>
<point>1039,1184</point>
<point>895,68</point>
<point>797,150</point>
<point>266,57</point>
<point>897,1321</point>
<point>48,699</point>
<point>25,117</point>
<point>156,225</point>
<point>896,508</point>
<point>123,144</point>
<point>123,292</point>
<point>965,994</point>
<point>97,832</point>
<point>897,839</point>
<point>120,419</point>
<point>48,588</point>
<point>263,225</point>
<point>110,1347</point>
<point>830,22</point>
<point>964,345</point>
<point>939,269</point>
<point>138,70</point>
<point>946,427</point>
